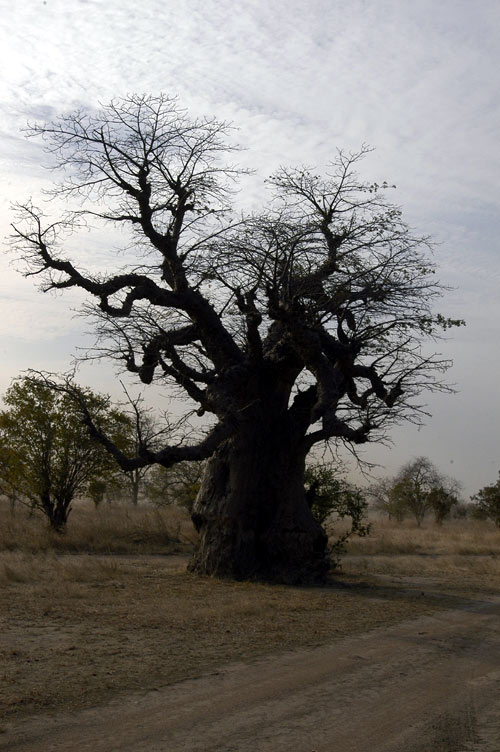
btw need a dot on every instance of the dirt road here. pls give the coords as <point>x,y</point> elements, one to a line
<point>426,685</point>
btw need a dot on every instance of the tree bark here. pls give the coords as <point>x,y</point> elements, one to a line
<point>135,482</point>
<point>57,512</point>
<point>252,513</point>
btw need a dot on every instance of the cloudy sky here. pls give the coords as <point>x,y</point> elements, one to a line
<point>416,79</point>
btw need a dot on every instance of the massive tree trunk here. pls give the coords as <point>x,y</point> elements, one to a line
<point>252,513</point>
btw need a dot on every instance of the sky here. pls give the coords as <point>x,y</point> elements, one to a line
<point>418,80</point>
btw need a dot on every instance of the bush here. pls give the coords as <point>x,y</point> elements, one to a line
<point>332,499</point>
<point>487,503</point>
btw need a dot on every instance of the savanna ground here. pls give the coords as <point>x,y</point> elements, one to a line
<point>108,609</point>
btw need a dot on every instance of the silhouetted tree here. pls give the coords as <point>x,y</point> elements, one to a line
<point>295,327</point>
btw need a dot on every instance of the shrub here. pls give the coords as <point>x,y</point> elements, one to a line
<point>332,499</point>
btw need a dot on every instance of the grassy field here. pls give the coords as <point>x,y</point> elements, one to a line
<point>118,529</point>
<point>466,550</point>
<point>109,608</point>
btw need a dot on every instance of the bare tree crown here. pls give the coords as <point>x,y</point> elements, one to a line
<point>316,308</point>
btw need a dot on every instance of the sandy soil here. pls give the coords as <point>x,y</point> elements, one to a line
<point>428,684</point>
<point>77,631</point>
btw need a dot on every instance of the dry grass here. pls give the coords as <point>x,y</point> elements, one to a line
<point>461,537</point>
<point>459,548</point>
<point>119,529</point>
<point>78,629</point>
<point>51,569</point>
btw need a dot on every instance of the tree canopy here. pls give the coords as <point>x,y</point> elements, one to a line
<point>47,456</point>
<point>418,488</point>
<point>487,503</point>
<point>299,325</point>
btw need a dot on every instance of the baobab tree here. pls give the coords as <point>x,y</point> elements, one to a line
<point>286,329</point>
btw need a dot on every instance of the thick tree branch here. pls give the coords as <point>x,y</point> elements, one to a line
<point>329,281</point>
<point>166,456</point>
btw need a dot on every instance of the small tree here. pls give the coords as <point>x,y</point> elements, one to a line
<point>140,432</point>
<point>50,456</point>
<point>10,472</point>
<point>331,499</point>
<point>419,487</point>
<point>441,501</point>
<point>97,490</point>
<point>384,500</point>
<point>487,503</point>
<point>409,497</point>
